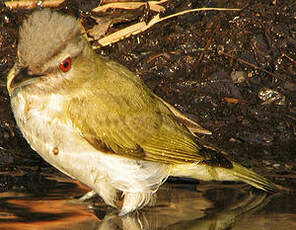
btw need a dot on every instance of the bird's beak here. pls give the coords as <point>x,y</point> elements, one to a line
<point>18,76</point>
<point>10,77</point>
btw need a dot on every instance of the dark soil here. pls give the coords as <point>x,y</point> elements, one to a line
<point>234,72</point>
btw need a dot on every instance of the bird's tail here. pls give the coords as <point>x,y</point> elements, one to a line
<point>236,173</point>
<point>254,179</point>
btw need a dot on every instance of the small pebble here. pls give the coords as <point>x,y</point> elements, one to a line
<point>276,165</point>
<point>238,76</point>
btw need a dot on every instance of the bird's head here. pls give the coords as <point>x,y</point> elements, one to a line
<point>49,47</point>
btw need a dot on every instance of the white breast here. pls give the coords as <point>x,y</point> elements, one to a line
<point>63,147</point>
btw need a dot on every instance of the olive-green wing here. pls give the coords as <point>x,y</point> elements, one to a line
<point>146,134</point>
<point>121,116</point>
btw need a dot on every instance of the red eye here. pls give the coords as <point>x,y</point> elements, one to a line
<point>65,65</point>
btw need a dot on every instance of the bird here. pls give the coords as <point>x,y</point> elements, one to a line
<point>97,122</point>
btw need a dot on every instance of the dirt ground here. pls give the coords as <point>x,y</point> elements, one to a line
<point>234,72</point>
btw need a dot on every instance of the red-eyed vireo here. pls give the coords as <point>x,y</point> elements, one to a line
<point>97,122</point>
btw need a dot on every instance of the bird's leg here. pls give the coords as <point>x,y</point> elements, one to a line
<point>108,193</point>
<point>105,190</point>
<point>133,201</point>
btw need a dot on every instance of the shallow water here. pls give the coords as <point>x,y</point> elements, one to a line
<point>47,203</point>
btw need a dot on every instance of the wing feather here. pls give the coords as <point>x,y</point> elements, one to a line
<point>119,115</point>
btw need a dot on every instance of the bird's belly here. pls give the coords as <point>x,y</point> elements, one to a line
<point>62,146</point>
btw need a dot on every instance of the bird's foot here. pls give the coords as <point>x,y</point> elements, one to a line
<point>133,201</point>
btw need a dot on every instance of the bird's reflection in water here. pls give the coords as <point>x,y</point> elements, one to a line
<point>190,212</point>
<point>178,206</point>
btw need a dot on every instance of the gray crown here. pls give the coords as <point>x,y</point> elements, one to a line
<point>43,35</point>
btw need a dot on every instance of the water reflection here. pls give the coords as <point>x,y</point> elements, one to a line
<point>179,218</point>
<point>43,202</point>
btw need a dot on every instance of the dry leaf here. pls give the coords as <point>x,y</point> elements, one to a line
<point>104,23</point>
<point>30,4</point>
<point>142,26</point>
<point>99,31</point>
<point>231,100</point>
<point>153,6</point>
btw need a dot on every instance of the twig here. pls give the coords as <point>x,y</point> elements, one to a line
<point>157,56</point>
<point>249,64</point>
<point>205,48</point>
<point>291,59</point>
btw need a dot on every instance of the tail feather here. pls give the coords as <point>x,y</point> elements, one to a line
<point>236,173</point>
<point>254,179</point>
